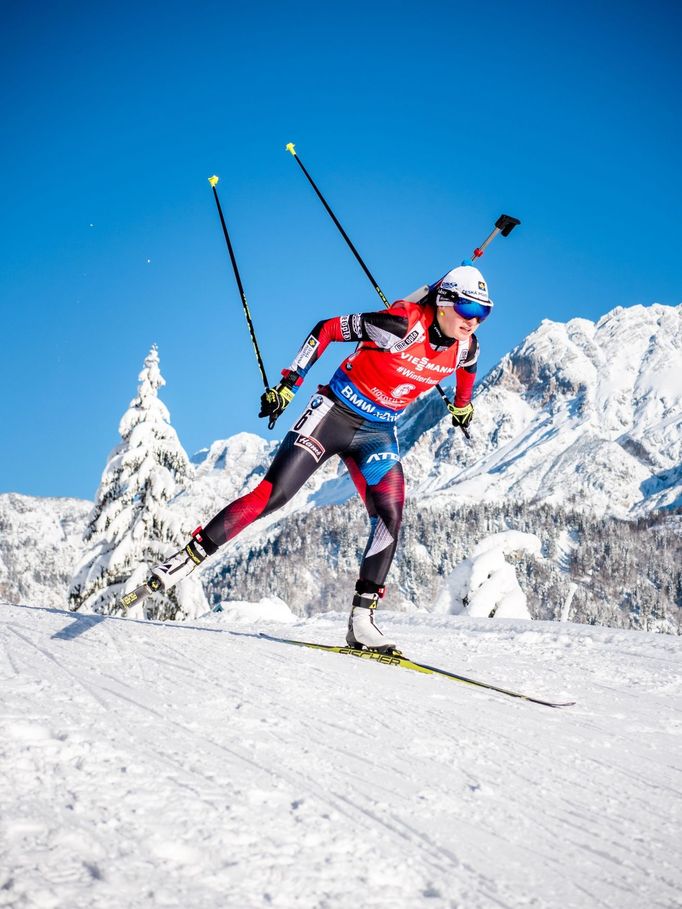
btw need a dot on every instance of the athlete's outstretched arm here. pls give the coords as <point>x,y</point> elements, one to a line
<point>384,328</point>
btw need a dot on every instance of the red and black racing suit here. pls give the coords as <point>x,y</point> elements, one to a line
<point>402,354</point>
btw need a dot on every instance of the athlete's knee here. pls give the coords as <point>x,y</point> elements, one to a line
<point>388,499</point>
<point>239,514</point>
<point>387,524</point>
<point>267,497</point>
<point>279,496</point>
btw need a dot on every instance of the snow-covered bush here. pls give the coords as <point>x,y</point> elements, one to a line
<point>485,584</point>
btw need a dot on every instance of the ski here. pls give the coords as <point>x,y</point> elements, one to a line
<point>397,659</point>
<point>151,585</point>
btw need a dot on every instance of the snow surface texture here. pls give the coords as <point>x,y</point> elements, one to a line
<point>193,765</point>
<point>485,584</point>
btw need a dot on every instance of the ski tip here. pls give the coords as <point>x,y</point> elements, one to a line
<point>291,148</point>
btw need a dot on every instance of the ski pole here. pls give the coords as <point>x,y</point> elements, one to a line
<point>504,225</point>
<point>213,181</point>
<point>292,149</point>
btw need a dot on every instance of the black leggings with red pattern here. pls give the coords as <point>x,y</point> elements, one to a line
<point>370,452</point>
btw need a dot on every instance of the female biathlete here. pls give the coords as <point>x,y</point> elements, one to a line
<point>403,352</point>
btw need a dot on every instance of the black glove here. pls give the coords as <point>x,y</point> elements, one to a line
<point>274,401</point>
<point>462,416</point>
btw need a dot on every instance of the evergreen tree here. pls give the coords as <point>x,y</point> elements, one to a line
<point>132,525</point>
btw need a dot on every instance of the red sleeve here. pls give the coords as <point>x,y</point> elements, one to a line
<point>313,347</point>
<point>465,386</point>
<point>329,330</point>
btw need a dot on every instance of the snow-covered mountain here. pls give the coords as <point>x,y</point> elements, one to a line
<point>582,414</point>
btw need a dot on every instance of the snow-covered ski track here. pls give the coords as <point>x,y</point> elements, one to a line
<point>176,765</point>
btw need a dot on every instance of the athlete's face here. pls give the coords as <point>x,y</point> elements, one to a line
<point>455,326</point>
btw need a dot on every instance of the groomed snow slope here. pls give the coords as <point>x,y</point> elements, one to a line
<point>148,765</point>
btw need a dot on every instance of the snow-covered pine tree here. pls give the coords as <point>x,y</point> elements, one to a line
<point>133,525</point>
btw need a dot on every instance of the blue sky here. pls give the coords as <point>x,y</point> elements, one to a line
<point>420,122</point>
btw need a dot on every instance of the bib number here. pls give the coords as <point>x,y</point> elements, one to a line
<point>317,409</point>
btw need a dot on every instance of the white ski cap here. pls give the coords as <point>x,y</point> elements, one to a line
<point>467,281</point>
